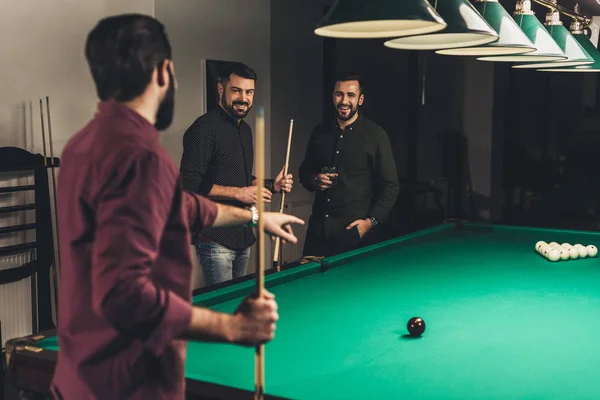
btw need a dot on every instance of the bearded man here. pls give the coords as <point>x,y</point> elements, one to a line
<point>217,163</point>
<point>350,165</point>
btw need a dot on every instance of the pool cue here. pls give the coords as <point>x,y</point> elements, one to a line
<point>53,184</point>
<point>57,264</point>
<point>259,356</point>
<point>285,172</point>
<point>43,133</point>
<point>30,147</point>
<point>46,165</point>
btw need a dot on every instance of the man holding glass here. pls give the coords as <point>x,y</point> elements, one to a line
<point>350,166</point>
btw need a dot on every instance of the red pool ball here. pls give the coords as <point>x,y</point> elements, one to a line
<point>415,326</point>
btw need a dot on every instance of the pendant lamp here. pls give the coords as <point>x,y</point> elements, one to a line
<point>368,19</point>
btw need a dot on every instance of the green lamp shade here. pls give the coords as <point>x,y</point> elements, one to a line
<point>592,51</point>
<point>368,19</point>
<point>576,54</point>
<point>547,48</point>
<point>512,40</point>
<point>466,27</point>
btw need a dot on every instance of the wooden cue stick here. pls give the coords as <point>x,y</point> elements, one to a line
<point>53,184</point>
<point>56,250</point>
<point>43,133</point>
<point>45,164</point>
<point>259,356</point>
<point>30,147</point>
<point>285,172</point>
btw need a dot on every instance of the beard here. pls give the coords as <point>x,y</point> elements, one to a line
<point>166,110</point>
<point>233,111</point>
<point>341,114</point>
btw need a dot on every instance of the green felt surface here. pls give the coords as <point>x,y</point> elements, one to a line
<point>502,322</point>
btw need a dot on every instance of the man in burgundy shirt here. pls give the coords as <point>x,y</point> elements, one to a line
<point>125,228</point>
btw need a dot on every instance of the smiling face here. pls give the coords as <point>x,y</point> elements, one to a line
<point>237,95</point>
<point>347,97</point>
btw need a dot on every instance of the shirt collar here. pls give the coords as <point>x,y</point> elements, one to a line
<point>118,110</point>
<point>229,118</point>
<point>353,126</point>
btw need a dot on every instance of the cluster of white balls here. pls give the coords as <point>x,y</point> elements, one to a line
<point>562,252</point>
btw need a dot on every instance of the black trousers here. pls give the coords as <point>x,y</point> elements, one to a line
<point>317,245</point>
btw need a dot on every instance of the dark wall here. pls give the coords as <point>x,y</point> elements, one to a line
<point>492,125</point>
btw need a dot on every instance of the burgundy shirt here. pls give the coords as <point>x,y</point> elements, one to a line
<point>125,285</point>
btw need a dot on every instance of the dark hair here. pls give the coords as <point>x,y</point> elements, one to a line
<point>350,76</point>
<point>122,52</point>
<point>236,68</point>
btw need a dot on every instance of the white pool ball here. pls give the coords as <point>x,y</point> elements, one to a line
<point>553,244</point>
<point>564,254</point>
<point>578,245</point>
<point>592,250</point>
<point>566,245</point>
<point>539,244</point>
<point>554,255</point>
<point>573,253</point>
<point>545,249</point>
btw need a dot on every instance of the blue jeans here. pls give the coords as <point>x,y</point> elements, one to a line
<point>220,263</point>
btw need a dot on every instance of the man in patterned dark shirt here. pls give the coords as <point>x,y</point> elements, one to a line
<point>217,162</point>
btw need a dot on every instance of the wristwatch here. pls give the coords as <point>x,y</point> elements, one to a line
<point>254,221</point>
<point>374,222</point>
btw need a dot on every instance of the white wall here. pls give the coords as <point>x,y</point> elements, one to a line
<point>42,44</point>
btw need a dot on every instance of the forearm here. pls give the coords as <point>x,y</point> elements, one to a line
<point>384,202</point>
<point>209,326</point>
<point>231,216</point>
<point>201,211</point>
<point>135,304</point>
<point>307,179</point>
<point>224,192</point>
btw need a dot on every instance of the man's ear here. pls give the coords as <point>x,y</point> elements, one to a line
<point>220,89</point>
<point>361,99</point>
<point>163,73</point>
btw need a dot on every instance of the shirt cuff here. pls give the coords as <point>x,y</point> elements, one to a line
<point>177,318</point>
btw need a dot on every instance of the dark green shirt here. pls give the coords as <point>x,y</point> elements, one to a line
<point>367,184</point>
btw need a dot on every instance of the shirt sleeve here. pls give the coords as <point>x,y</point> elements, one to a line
<point>201,211</point>
<point>387,184</point>
<point>308,168</point>
<point>198,150</point>
<point>131,213</point>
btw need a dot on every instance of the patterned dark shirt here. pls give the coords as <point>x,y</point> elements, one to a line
<point>219,151</point>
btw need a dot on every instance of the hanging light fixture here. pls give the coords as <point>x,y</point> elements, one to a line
<point>369,19</point>
<point>466,27</point>
<point>578,33</point>
<point>547,48</point>
<point>578,30</point>
<point>512,40</point>
<point>576,54</point>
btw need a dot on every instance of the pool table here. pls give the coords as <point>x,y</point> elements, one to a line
<point>502,322</point>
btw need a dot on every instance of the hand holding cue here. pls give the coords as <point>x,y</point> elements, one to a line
<point>259,356</point>
<point>285,172</point>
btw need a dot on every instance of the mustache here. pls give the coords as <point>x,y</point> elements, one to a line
<point>344,105</point>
